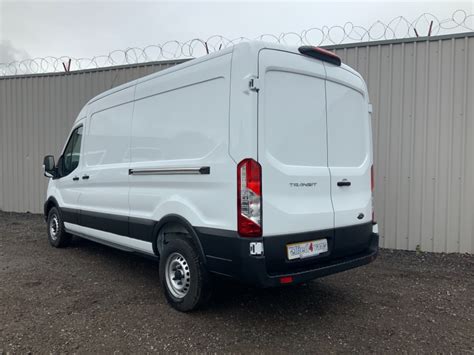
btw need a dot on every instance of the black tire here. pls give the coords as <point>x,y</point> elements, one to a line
<point>190,270</point>
<point>57,235</point>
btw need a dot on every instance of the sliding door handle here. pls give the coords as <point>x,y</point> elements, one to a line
<point>75,178</point>
<point>85,177</point>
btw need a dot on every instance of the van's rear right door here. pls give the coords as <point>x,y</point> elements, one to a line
<point>349,147</point>
<point>292,149</point>
<point>349,159</point>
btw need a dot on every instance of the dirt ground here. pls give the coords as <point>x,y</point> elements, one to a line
<point>91,298</point>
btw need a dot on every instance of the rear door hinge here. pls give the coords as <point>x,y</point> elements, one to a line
<point>254,84</point>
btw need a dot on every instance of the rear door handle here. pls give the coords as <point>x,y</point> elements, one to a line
<point>75,178</point>
<point>344,183</point>
<point>85,177</point>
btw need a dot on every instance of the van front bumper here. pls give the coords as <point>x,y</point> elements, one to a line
<point>229,255</point>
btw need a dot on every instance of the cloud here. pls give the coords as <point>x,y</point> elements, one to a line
<point>8,52</point>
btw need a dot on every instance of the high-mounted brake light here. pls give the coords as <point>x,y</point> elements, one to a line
<point>249,198</point>
<point>321,54</point>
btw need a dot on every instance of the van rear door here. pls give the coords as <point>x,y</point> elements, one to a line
<point>292,145</point>
<point>349,147</point>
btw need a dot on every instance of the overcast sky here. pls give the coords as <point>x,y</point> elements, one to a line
<point>89,28</point>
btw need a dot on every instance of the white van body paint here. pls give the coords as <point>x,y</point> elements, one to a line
<point>168,145</point>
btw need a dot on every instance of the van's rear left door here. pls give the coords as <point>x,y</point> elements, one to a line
<point>292,149</point>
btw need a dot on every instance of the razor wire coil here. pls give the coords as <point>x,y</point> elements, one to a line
<point>398,28</point>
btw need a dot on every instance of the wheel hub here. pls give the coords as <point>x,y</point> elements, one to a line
<point>54,227</point>
<point>178,276</point>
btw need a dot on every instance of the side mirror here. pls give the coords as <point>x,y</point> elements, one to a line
<point>48,165</point>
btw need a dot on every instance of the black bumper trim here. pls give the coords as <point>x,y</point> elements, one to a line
<point>229,254</point>
<point>338,265</point>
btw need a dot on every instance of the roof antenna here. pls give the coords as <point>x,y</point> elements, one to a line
<point>207,48</point>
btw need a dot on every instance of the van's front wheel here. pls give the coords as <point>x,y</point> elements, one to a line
<point>183,275</point>
<point>57,235</point>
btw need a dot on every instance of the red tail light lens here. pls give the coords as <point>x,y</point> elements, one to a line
<point>249,198</point>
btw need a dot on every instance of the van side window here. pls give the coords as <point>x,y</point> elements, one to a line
<point>72,152</point>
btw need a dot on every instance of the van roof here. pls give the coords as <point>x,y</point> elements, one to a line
<point>251,48</point>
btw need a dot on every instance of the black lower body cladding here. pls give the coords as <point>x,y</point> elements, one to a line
<point>229,254</point>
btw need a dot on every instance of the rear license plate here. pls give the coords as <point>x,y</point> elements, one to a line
<point>306,249</point>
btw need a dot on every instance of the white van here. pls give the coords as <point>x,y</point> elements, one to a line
<point>253,163</point>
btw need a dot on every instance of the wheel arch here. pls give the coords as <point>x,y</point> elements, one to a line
<point>175,223</point>
<point>50,203</point>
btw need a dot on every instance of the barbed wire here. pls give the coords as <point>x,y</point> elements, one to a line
<point>398,28</point>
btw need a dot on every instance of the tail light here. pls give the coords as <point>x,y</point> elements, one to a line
<point>249,198</point>
<point>372,188</point>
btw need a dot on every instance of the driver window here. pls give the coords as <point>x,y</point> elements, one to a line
<point>72,152</point>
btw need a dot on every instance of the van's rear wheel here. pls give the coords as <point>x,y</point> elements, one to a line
<point>57,235</point>
<point>183,276</point>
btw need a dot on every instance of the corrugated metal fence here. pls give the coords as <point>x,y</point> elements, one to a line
<point>36,113</point>
<point>422,92</point>
<point>423,98</point>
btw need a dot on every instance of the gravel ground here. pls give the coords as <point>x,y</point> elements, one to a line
<point>91,298</point>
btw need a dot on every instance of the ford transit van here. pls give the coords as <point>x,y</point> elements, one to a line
<point>253,163</point>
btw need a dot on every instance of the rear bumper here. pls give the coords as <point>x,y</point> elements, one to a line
<point>330,266</point>
<point>229,254</point>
